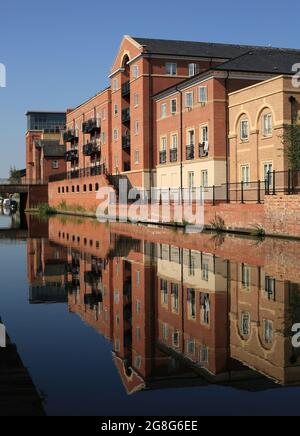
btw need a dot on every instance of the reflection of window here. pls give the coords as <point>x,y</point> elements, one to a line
<point>205,271</point>
<point>203,354</point>
<point>175,339</point>
<point>138,306</point>
<point>138,333</point>
<point>117,297</point>
<point>164,292</point>
<point>191,304</point>
<point>191,265</point>
<point>175,297</point>
<point>55,164</point>
<point>138,362</point>
<point>191,347</point>
<point>117,345</point>
<point>205,308</point>
<point>270,287</point>
<point>245,323</point>
<point>268,331</point>
<point>246,276</point>
<point>165,332</point>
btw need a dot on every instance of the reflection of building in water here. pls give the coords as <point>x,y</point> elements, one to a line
<point>175,316</point>
<point>46,272</point>
<point>263,311</point>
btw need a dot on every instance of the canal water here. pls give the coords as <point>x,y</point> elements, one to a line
<point>122,320</point>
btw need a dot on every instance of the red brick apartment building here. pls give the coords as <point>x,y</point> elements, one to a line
<point>164,120</point>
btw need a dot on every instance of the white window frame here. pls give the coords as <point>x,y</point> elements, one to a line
<point>268,125</point>
<point>173,112</point>
<point>202,98</point>
<point>204,178</point>
<point>171,69</point>
<point>116,134</point>
<point>55,164</point>
<point>174,144</point>
<point>247,180</point>
<point>163,143</point>
<point>136,99</point>
<point>137,156</point>
<point>243,136</point>
<point>115,84</point>
<point>189,100</point>
<point>193,69</point>
<point>136,127</point>
<point>135,71</point>
<point>116,110</point>
<point>163,110</point>
<point>204,137</point>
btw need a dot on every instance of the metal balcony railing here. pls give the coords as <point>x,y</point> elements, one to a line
<point>173,155</point>
<point>78,174</point>
<point>162,157</point>
<point>190,152</point>
<point>91,148</point>
<point>126,115</point>
<point>126,142</point>
<point>72,155</point>
<point>203,149</point>
<point>70,135</point>
<point>126,89</point>
<point>91,126</point>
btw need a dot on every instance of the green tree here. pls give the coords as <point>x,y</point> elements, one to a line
<point>291,142</point>
<point>14,175</point>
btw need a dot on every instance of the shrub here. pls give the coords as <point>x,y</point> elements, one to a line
<point>46,210</point>
<point>258,231</point>
<point>218,224</point>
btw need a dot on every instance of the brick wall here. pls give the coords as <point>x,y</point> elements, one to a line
<point>282,215</point>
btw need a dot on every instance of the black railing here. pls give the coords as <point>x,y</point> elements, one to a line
<point>203,150</point>
<point>91,125</point>
<point>126,115</point>
<point>72,155</point>
<point>127,167</point>
<point>190,152</point>
<point>77,174</point>
<point>126,89</point>
<point>173,155</point>
<point>126,142</point>
<point>91,148</point>
<point>70,135</point>
<point>283,182</point>
<point>162,157</point>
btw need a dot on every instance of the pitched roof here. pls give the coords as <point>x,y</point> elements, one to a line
<point>201,49</point>
<point>263,60</point>
<point>191,48</point>
<point>51,148</point>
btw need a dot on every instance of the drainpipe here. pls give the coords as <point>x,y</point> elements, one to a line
<point>227,136</point>
<point>181,140</point>
<point>292,101</point>
<point>151,126</point>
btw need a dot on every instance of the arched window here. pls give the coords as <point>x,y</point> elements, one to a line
<point>267,124</point>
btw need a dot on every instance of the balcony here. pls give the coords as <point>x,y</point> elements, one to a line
<point>126,142</point>
<point>70,135</point>
<point>72,156</point>
<point>174,155</point>
<point>78,174</point>
<point>126,115</point>
<point>190,152</point>
<point>91,126</point>
<point>127,167</point>
<point>126,89</point>
<point>203,149</point>
<point>91,148</point>
<point>162,157</point>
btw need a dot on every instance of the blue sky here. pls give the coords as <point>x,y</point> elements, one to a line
<point>59,53</point>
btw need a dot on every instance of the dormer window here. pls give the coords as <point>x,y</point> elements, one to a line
<point>193,70</point>
<point>171,69</point>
